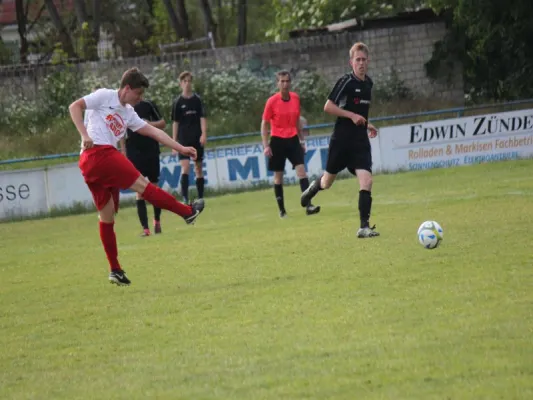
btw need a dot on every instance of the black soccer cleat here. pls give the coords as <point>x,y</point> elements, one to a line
<point>119,278</point>
<point>309,193</point>
<point>197,207</point>
<point>283,214</point>
<point>311,209</point>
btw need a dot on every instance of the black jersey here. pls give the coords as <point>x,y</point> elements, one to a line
<point>136,143</point>
<point>187,111</point>
<point>352,94</point>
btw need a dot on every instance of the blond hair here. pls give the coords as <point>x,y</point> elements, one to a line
<point>359,46</point>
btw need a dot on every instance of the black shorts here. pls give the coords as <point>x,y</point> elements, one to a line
<point>352,156</point>
<point>191,143</point>
<point>285,149</point>
<point>147,165</point>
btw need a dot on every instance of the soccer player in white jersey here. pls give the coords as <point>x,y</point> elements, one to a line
<point>106,170</point>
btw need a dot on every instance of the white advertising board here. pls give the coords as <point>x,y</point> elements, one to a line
<point>65,186</point>
<point>245,165</point>
<point>22,193</point>
<point>458,141</point>
<point>444,143</point>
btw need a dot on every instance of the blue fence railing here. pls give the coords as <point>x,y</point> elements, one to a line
<point>459,111</point>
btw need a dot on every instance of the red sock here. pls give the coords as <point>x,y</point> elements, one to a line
<point>109,240</point>
<point>161,199</point>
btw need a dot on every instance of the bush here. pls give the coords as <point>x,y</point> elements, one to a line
<point>19,115</point>
<point>164,88</point>
<point>59,89</point>
<point>389,87</point>
<point>234,99</point>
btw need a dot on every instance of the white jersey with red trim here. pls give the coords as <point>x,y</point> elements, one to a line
<point>108,120</point>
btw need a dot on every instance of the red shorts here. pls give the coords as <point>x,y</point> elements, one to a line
<point>106,170</point>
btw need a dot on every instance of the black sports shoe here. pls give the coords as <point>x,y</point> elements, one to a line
<point>311,209</point>
<point>309,193</point>
<point>197,207</point>
<point>283,214</point>
<point>119,278</point>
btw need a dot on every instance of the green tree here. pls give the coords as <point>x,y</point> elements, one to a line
<point>494,47</point>
<point>300,14</point>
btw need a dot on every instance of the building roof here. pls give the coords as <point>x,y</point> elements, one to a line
<point>356,24</point>
<point>8,13</point>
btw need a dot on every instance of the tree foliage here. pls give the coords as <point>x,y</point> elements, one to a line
<point>301,14</point>
<point>493,46</point>
<point>488,40</point>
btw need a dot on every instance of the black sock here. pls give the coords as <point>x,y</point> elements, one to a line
<point>304,184</point>
<point>365,203</point>
<point>316,188</point>
<point>157,214</point>
<point>278,191</point>
<point>143,214</point>
<point>200,182</point>
<point>185,185</point>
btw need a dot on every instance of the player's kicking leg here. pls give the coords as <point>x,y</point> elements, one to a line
<point>161,199</point>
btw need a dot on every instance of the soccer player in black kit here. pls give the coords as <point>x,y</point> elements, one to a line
<point>349,146</point>
<point>143,152</point>
<point>189,128</point>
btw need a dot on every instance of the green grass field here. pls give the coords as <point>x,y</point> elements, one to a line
<point>244,305</point>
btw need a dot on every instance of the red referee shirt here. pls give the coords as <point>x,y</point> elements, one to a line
<point>283,115</point>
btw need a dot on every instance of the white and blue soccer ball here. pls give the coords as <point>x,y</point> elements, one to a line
<point>430,234</point>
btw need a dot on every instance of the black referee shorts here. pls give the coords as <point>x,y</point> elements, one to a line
<point>352,156</point>
<point>147,164</point>
<point>191,142</point>
<point>285,149</point>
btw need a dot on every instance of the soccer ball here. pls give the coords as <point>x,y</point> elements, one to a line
<point>430,234</point>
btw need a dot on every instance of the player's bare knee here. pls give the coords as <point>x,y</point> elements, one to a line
<point>140,184</point>
<point>366,183</point>
<point>327,180</point>
<point>185,166</point>
<point>300,171</point>
<point>278,177</point>
<point>325,184</point>
<point>107,214</point>
<point>198,170</point>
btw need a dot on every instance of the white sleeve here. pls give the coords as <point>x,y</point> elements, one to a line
<point>135,122</point>
<point>96,99</point>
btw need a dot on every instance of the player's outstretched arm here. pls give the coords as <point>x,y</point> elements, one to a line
<point>160,124</point>
<point>333,109</point>
<point>165,140</point>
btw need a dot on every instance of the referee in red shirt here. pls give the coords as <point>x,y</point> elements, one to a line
<point>282,113</point>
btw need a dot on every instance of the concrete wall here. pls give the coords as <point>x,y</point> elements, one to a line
<point>404,48</point>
